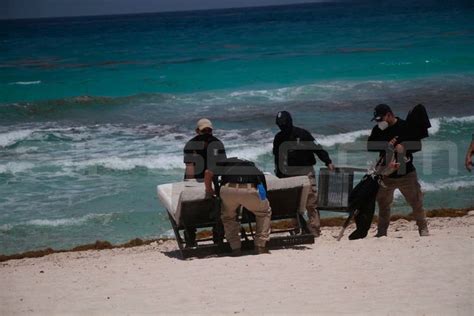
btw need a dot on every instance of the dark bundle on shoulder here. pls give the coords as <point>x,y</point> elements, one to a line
<point>418,123</point>
<point>235,170</point>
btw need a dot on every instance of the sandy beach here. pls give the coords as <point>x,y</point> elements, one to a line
<point>399,274</point>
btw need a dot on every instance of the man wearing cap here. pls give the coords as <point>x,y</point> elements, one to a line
<point>293,151</point>
<point>389,134</point>
<point>201,152</point>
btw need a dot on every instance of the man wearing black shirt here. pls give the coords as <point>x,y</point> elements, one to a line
<point>201,152</point>
<point>293,151</point>
<point>388,138</point>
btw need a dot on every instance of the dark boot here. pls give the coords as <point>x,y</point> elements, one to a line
<point>236,253</point>
<point>358,234</point>
<point>261,250</point>
<point>423,229</point>
<point>381,232</point>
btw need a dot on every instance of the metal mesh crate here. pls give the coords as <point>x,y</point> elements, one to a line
<point>334,188</point>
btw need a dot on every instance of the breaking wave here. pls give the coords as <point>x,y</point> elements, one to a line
<point>15,167</point>
<point>157,147</point>
<point>11,138</point>
<point>443,185</point>
<point>166,162</point>
<point>25,83</point>
<point>446,185</point>
<point>330,96</point>
<point>343,138</point>
<point>102,218</point>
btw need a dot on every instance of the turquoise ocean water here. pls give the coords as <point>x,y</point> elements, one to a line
<point>94,111</point>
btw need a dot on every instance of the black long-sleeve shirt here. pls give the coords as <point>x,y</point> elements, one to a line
<point>296,149</point>
<point>378,142</point>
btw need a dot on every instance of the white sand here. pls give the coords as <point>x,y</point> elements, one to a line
<point>396,275</point>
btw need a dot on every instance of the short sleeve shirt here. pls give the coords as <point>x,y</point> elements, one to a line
<point>203,151</point>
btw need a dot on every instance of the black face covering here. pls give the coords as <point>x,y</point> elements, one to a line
<point>284,121</point>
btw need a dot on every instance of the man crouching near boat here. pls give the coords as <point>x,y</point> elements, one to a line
<point>389,131</point>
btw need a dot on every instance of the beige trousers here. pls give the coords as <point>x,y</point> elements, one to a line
<point>314,222</point>
<point>232,199</point>
<point>410,189</point>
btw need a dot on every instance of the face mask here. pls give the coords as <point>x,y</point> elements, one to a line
<point>382,125</point>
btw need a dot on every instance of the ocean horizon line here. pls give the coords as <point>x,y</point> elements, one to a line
<point>141,14</point>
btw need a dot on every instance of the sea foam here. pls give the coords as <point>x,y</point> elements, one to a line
<point>74,221</point>
<point>442,185</point>
<point>343,138</point>
<point>166,162</point>
<point>15,167</point>
<point>10,138</point>
<point>25,83</point>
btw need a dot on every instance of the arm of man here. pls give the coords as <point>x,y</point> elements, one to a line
<point>208,176</point>
<point>276,155</point>
<point>469,154</point>
<point>376,142</point>
<point>322,154</point>
<point>189,171</point>
<point>221,153</point>
<point>188,159</point>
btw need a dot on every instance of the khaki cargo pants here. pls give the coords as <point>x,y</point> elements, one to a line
<point>314,223</point>
<point>410,189</point>
<point>232,198</point>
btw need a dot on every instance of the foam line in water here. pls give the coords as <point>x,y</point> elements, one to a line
<point>343,138</point>
<point>166,162</point>
<point>463,119</point>
<point>338,93</point>
<point>443,185</point>
<point>15,167</point>
<point>103,218</point>
<point>451,185</point>
<point>154,146</point>
<point>25,83</point>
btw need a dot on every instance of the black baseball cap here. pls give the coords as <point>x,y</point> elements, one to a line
<point>380,111</point>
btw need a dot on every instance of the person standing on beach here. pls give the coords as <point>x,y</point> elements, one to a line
<point>241,184</point>
<point>202,151</point>
<point>293,151</point>
<point>469,154</point>
<point>388,132</point>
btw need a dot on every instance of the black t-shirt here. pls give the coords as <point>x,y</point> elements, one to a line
<point>203,151</point>
<point>378,141</point>
<point>297,149</point>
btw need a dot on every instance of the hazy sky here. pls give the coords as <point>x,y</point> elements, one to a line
<point>12,9</point>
